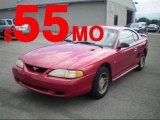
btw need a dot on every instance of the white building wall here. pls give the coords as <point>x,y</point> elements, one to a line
<point>129,4</point>
<point>86,14</point>
<point>79,14</point>
<point>42,2</point>
<point>116,9</point>
<point>7,14</point>
<point>4,4</point>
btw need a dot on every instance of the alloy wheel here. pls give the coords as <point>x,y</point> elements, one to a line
<point>103,83</point>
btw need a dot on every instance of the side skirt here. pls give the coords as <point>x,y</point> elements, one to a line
<point>124,73</point>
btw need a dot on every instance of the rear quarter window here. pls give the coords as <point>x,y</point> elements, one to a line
<point>2,22</point>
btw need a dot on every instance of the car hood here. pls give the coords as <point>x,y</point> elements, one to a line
<point>151,27</point>
<point>63,55</point>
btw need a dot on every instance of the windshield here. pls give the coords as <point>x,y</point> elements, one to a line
<point>135,25</point>
<point>142,23</point>
<point>152,25</point>
<point>108,39</point>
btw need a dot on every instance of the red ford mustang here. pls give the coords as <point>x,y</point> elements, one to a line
<point>70,69</point>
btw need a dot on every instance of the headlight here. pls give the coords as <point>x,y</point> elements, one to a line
<point>66,73</point>
<point>19,64</point>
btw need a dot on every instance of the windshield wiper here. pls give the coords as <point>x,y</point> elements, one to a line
<point>88,43</point>
<point>69,41</point>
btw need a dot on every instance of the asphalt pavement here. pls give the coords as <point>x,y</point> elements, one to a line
<point>134,96</point>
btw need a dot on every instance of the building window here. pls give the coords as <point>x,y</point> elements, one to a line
<point>115,19</point>
<point>129,17</point>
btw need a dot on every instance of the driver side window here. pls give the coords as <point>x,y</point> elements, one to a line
<point>126,37</point>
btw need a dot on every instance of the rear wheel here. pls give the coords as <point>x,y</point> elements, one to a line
<point>142,62</point>
<point>100,83</point>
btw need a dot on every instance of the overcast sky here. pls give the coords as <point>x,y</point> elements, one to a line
<point>150,8</point>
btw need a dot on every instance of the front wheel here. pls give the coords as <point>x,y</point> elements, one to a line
<point>100,83</point>
<point>142,62</point>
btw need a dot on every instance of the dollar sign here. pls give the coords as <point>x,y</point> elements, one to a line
<point>7,35</point>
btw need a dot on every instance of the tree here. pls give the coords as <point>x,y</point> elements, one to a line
<point>154,21</point>
<point>144,19</point>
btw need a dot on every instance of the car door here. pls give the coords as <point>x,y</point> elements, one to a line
<point>126,56</point>
<point>137,47</point>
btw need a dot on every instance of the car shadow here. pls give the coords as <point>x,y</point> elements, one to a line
<point>27,100</point>
<point>41,98</point>
<point>38,102</point>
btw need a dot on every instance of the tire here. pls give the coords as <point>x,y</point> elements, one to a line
<point>101,83</point>
<point>141,64</point>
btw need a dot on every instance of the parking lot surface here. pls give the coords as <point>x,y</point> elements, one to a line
<point>134,96</point>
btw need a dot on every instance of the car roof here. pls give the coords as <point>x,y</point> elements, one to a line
<point>119,28</point>
<point>135,23</point>
<point>142,22</point>
<point>152,24</point>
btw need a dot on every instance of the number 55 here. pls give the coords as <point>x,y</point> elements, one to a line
<point>34,26</point>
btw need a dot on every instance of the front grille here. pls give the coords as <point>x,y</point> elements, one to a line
<point>36,69</point>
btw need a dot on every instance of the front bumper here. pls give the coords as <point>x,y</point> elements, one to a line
<point>57,87</point>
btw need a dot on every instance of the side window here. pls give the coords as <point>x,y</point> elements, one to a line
<point>9,22</point>
<point>126,37</point>
<point>2,22</point>
<point>135,36</point>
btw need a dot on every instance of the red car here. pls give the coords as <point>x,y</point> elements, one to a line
<point>70,69</point>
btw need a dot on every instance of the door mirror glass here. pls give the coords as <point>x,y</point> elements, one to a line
<point>123,45</point>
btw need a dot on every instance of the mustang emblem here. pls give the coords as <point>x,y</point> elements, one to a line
<point>35,68</point>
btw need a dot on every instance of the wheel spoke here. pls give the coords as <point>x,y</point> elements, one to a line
<point>142,61</point>
<point>103,83</point>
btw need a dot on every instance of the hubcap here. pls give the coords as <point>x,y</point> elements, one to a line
<point>142,61</point>
<point>103,83</point>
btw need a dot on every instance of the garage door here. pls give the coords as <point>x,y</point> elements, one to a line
<point>79,14</point>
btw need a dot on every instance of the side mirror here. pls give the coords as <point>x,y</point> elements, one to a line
<point>123,45</point>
